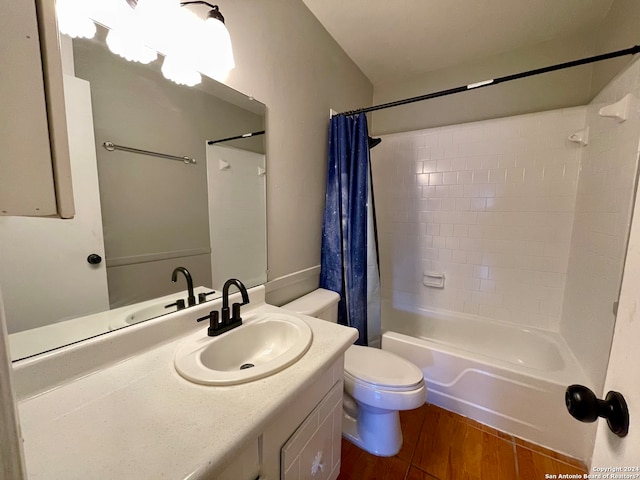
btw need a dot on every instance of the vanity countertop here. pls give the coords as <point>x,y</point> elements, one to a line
<point>137,418</point>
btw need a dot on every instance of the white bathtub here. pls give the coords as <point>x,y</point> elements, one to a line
<point>511,378</point>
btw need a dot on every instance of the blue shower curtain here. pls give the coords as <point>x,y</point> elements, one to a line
<point>344,228</point>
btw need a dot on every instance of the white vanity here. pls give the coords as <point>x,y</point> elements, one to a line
<point>114,407</point>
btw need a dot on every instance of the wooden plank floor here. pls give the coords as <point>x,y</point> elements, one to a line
<point>440,445</point>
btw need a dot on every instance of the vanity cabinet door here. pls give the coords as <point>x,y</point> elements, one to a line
<point>35,177</point>
<point>313,451</point>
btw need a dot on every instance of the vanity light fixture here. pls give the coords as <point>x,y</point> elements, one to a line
<point>127,35</point>
<point>140,28</point>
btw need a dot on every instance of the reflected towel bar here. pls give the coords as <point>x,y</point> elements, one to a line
<point>112,146</point>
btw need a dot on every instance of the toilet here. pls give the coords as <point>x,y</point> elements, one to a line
<point>377,384</point>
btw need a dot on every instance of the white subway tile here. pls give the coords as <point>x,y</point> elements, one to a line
<point>480,271</point>
<point>442,191</point>
<point>459,256</point>
<point>422,179</point>
<point>453,243</point>
<point>469,218</point>
<point>487,286</point>
<point>435,179</point>
<point>430,166</point>
<point>498,175</point>
<point>439,242</point>
<point>443,165</point>
<point>480,176</point>
<point>456,191</point>
<point>450,178</point>
<point>465,177</point>
<point>446,230</point>
<point>458,163</point>
<point>492,203</point>
<point>424,153</point>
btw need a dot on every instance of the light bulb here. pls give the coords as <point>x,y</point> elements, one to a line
<point>128,45</point>
<point>73,19</point>
<point>179,71</point>
<point>156,21</point>
<point>216,55</point>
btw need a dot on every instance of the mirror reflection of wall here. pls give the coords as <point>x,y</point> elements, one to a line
<point>238,229</point>
<point>155,212</point>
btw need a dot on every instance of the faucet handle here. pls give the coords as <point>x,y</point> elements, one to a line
<point>202,297</point>
<point>213,317</point>
<point>178,303</point>
<point>235,312</point>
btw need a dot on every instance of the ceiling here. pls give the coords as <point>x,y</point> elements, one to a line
<point>394,41</point>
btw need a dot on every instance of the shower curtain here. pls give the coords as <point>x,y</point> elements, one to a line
<point>346,225</point>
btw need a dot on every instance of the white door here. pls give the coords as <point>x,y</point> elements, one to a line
<point>623,374</point>
<point>44,272</point>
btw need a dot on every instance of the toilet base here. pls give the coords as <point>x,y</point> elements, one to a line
<point>375,430</point>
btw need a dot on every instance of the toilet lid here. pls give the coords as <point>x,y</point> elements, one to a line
<point>379,367</point>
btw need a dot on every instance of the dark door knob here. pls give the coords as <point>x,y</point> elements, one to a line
<point>94,259</point>
<point>584,406</point>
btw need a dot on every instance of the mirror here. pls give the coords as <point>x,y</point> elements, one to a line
<point>139,216</point>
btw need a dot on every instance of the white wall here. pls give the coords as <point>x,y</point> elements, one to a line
<point>490,205</point>
<point>287,60</point>
<point>561,89</point>
<point>550,91</point>
<point>619,29</point>
<point>603,215</point>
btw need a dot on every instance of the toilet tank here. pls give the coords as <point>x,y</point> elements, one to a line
<point>320,303</point>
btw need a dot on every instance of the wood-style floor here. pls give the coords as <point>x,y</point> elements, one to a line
<point>440,445</point>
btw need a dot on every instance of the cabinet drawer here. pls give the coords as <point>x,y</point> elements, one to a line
<point>313,451</point>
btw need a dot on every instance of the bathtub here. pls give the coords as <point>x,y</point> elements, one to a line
<point>508,377</point>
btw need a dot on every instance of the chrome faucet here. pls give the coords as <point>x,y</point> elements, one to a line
<point>191,300</point>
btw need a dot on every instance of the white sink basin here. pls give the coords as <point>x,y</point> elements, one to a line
<point>262,346</point>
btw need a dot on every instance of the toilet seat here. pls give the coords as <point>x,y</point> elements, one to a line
<point>382,369</point>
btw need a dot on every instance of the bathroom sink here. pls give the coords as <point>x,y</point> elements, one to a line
<point>265,344</point>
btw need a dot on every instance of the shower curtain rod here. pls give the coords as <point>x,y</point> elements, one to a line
<point>494,81</point>
<point>237,137</point>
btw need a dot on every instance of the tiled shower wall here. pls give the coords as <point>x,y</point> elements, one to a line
<point>491,205</point>
<point>602,219</point>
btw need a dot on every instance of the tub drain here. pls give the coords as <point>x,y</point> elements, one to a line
<point>244,366</point>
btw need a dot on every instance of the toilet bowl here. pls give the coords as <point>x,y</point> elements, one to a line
<point>377,384</point>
